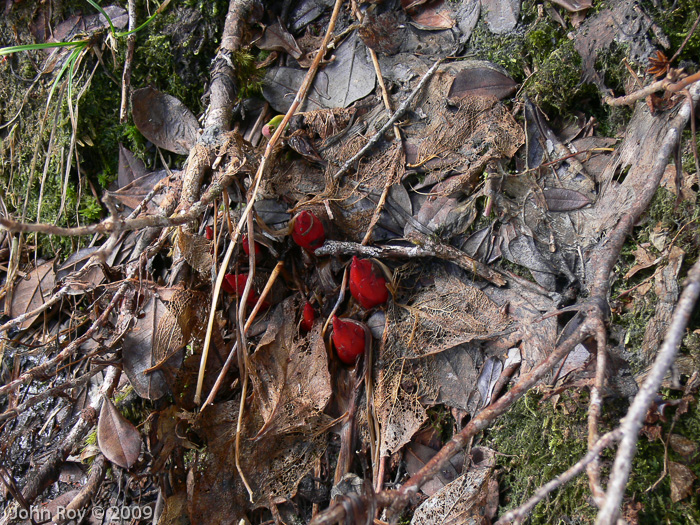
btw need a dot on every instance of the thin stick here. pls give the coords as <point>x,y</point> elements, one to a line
<point>396,116</point>
<point>634,419</point>
<point>594,409</point>
<point>562,479</point>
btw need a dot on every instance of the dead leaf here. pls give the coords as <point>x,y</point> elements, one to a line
<point>290,376</point>
<point>642,260</point>
<point>196,250</point>
<point>500,15</point>
<point>418,454</point>
<point>348,78</point>
<point>29,293</point>
<point>682,479</point>
<point>490,373</point>
<point>130,167</point>
<point>455,371</point>
<point>683,446</point>
<point>277,38</point>
<point>134,192</point>
<point>561,199</point>
<point>482,79</point>
<point>431,16</point>
<point>117,438</point>
<point>164,120</point>
<point>154,340</point>
<point>464,500</point>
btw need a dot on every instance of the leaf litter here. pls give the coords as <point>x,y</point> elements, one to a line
<point>287,419</point>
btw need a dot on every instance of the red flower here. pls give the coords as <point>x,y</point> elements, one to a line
<point>307,317</point>
<point>234,283</point>
<point>209,233</point>
<point>308,231</point>
<point>246,247</point>
<point>367,284</point>
<point>348,339</point>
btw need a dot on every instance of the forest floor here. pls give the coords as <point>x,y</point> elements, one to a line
<point>459,246</point>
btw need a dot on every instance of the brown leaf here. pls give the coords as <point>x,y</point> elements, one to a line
<point>482,79</point>
<point>277,38</point>
<point>164,120</point>
<point>465,499</point>
<point>130,167</point>
<point>30,292</point>
<point>417,454</point>
<point>434,16</point>
<point>562,199</point>
<point>290,377</point>
<point>134,192</point>
<point>117,438</point>
<point>683,446</point>
<point>682,479</point>
<point>154,337</point>
<point>196,250</point>
<point>643,260</point>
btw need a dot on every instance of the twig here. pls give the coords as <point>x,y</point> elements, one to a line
<point>128,62</point>
<point>50,392</point>
<point>399,499</point>
<point>42,369</point>
<point>523,510</point>
<point>45,474</point>
<point>87,493</point>
<point>634,419</point>
<point>396,116</point>
<point>595,407</point>
<point>425,247</point>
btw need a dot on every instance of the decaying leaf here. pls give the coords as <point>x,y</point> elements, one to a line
<point>682,479</point>
<point>418,452</point>
<point>134,192</point>
<point>463,500</point>
<point>196,250</point>
<point>290,375</point>
<point>348,78</point>
<point>455,371</point>
<point>164,120</point>
<point>31,292</point>
<point>117,438</point>
<point>130,167</point>
<point>431,16</point>
<point>277,38</point>
<point>481,78</point>
<point>500,15</point>
<point>443,315</point>
<point>562,199</point>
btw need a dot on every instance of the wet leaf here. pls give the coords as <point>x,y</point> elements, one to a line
<point>117,438</point>
<point>561,199</point>
<point>164,120</point>
<point>29,293</point>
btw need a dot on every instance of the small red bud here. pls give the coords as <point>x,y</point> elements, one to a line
<point>308,231</point>
<point>367,284</point>
<point>209,233</point>
<point>348,339</point>
<point>235,284</point>
<point>246,246</point>
<point>307,317</point>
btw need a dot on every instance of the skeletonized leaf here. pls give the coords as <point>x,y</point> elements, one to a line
<point>463,500</point>
<point>117,438</point>
<point>164,120</point>
<point>562,199</point>
<point>30,293</point>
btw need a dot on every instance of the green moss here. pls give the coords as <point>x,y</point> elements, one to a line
<point>537,441</point>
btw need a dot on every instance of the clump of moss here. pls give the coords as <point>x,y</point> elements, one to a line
<point>537,441</point>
